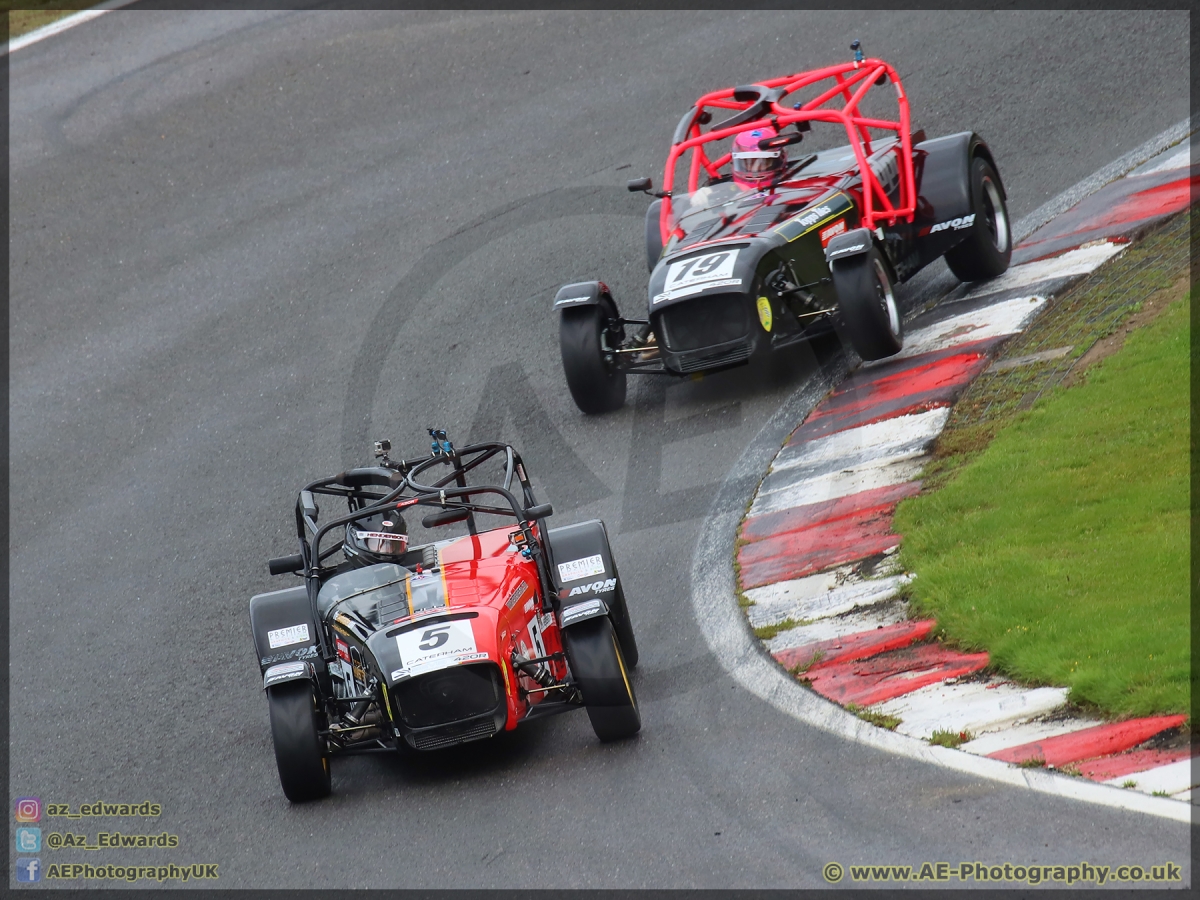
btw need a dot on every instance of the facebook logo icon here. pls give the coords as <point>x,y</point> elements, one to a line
<point>29,870</point>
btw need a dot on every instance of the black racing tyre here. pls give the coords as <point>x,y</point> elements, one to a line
<point>988,248</point>
<point>624,629</point>
<point>596,385</point>
<point>870,317</point>
<point>300,753</point>
<point>603,678</point>
<point>654,244</point>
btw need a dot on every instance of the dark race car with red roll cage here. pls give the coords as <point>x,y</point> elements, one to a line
<point>451,640</point>
<point>736,271</point>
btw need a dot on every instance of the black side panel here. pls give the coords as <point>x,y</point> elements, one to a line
<point>276,611</point>
<point>942,171</point>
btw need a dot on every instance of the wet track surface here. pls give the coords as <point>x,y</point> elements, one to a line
<point>244,245</point>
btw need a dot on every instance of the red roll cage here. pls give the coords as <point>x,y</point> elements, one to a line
<point>852,81</point>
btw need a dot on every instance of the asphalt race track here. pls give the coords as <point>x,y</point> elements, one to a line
<point>245,244</point>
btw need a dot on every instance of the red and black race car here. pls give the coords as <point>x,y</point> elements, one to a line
<point>487,620</point>
<point>758,249</point>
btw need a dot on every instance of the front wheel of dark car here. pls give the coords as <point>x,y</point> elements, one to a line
<point>987,249</point>
<point>596,384</point>
<point>870,318</point>
<point>300,752</point>
<point>599,669</point>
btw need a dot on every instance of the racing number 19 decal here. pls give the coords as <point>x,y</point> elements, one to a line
<point>703,265</point>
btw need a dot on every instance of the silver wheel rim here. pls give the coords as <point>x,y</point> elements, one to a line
<point>887,299</point>
<point>995,215</point>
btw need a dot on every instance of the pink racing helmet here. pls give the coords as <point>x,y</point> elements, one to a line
<point>754,168</point>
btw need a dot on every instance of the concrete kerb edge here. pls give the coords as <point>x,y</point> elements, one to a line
<point>746,659</point>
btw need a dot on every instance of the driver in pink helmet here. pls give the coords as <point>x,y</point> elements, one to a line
<point>755,169</point>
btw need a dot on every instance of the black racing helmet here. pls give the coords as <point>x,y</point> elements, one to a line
<point>381,538</point>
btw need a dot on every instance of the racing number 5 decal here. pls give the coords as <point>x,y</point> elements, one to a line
<point>437,644</point>
<point>434,637</point>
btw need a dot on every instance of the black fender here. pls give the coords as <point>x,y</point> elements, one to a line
<point>855,242</point>
<point>654,244</point>
<point>285,618</point>
<point>945,210</point>
<point>577,596</point>
<point>585,293</point>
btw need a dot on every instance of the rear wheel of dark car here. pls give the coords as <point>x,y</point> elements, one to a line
<point>870,318</point>
<point>599,669</point>
<point>988,248</point>
<point>299,751</point>
<point>596,384</point>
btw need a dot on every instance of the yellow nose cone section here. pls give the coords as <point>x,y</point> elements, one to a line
<point>764,313</point>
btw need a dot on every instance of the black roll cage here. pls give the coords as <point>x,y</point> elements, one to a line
<point>441,494</point>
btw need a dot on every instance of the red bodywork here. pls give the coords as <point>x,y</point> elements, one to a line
<point>848,81</point>
<point>485,573</point>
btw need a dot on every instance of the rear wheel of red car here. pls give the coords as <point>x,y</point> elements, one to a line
<point>599,669</point>
<point>299,751</point>
<point>988,248</point>
<point>597,385</point>
<point>870,316</point>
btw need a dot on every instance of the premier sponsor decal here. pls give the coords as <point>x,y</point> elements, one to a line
<point>581,568</point>
<point>293,634</point>
<point>596,587</point>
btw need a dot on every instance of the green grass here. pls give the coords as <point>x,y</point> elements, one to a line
<point>878,719</point>
<point>33,14</point>
<point>1063,547</point>
<point>951,739</point>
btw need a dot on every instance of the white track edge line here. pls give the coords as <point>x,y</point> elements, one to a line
<point>62,25</point>
<point>1098,179</point>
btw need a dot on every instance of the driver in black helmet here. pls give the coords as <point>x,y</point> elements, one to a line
<point>381,538</point>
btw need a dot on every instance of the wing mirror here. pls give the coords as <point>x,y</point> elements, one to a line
<point>540,511</point>
<point>780,140</point>
<point>644,186</point>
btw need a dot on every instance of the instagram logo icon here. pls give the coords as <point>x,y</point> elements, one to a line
<point>29,809</point>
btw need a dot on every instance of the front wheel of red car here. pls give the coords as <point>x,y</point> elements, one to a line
<point>987,250</point>
<point>599,669</point>
<point>597,385</point>
<point>870,318</point>
<point>299,751</point>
